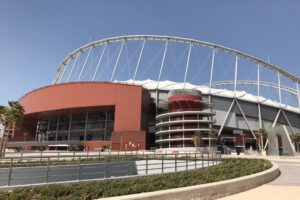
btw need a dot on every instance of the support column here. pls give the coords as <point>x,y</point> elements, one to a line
<point>169,140</point>
<point>235,75</point>
<point>85,126</point>
<point>70,125</point>
<point>298,95</point>
<point>48,127</point>
<point>105,126</point>
<point>156,101</point>
<point>258,95</point>
<point>183,145</point>
<point>57,127</point>
<point>279,87</point>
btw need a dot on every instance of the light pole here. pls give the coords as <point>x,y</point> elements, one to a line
<point>25,134</point>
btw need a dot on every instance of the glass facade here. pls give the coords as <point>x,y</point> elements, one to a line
<point>85,126</point>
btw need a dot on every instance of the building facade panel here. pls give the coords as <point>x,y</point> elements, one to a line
<point>125,98</point>
<point>72,112</point>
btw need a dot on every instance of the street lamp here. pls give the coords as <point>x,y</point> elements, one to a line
<point>25,134</point>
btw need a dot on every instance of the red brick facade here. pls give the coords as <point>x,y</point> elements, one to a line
<point>130,105</point>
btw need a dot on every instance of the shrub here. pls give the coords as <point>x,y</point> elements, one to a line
<point>228,169</point>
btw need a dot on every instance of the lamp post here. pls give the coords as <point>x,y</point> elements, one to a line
<point>25,134</point>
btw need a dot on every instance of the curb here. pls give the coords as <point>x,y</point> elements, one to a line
<point>208,191</point>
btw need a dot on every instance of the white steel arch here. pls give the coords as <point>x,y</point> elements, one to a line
<point>72,65</point>
<point>174,39</point>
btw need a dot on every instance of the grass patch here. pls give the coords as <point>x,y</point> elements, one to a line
<point>228,169</point>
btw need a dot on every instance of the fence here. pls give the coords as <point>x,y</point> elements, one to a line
<point>29,170</point>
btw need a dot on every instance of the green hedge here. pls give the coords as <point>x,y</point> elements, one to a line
<point>228,169</point>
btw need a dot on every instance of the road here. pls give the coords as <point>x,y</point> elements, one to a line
<point>286,186</point>
<point>36,175</point>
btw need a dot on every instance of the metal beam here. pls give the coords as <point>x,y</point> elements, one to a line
<point>235,75</point>
<point>116,64</point>
<point>259,115</point>
<point>288,121</point>
<point>245,118</point>
<point>226,116</point>
<point>86,59</point>
<point>254,83</point>
<point>276,118</point>
<point>211,73</point>
<point>181,40</point>
<point>187,65</point>
<point>162,63</point>
<point>139,60</point>
<point>279,87</point>
<point>85,127</point>
<point>258,94</point>
<point>298,94</point>
<point>70,126</point>
<point>73,66</point>
<point>63,71</point>
<point>99,62</point>
<point>258,80</point>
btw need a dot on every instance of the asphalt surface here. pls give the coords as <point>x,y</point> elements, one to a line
<point>74,172</point>
<point>34,175</point>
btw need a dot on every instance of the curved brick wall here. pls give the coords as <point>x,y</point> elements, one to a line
<point>130,103</point>
<point>127,100</point>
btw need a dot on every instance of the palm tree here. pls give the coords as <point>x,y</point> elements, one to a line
<point>211,134</point>
<point>197,138</point>
<point>9,116</point>
<point>295,139</point>
<point>262,133</point>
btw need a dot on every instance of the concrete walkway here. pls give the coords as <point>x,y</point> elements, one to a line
<point>286,186</point>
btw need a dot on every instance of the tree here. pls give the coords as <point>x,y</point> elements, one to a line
<point>262,133</point>
<point>295,140</point>
<point>197,138</point>
<point>211,134</point>
<point>9,116</point>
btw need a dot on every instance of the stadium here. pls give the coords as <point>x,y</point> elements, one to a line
<point>141,92</point>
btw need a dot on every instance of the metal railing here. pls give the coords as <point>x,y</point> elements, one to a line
<point>32,170</point>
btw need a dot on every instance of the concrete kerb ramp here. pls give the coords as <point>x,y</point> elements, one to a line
<point>208,191</point>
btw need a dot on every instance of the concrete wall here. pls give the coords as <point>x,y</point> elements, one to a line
<point>287,147</point>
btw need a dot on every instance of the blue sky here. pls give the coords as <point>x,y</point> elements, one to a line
<point>36,35</point>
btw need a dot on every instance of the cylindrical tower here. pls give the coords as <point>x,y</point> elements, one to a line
<point>187,114</point>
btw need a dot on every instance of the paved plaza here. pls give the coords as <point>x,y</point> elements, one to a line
<point>286,186</point>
